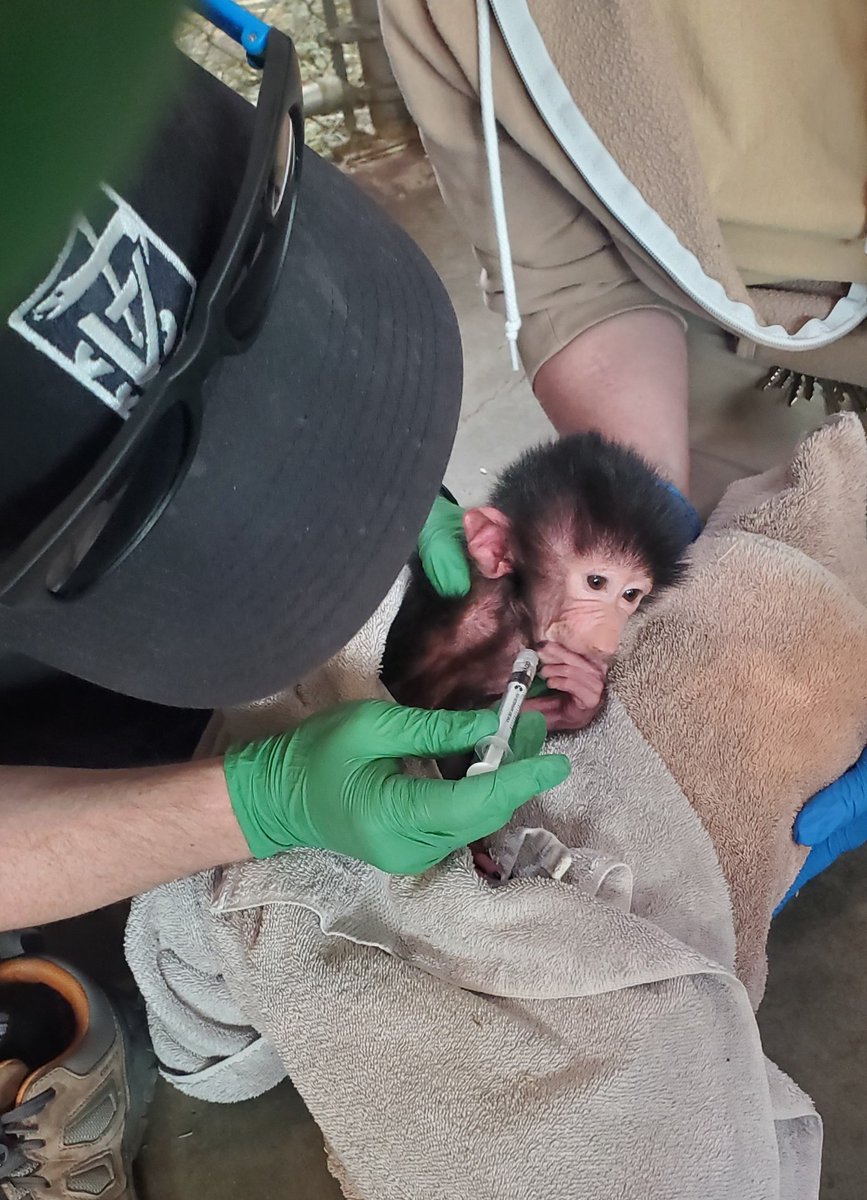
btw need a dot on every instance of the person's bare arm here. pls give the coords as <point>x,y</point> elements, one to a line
<point>75,840</point>
<point>626,378</point>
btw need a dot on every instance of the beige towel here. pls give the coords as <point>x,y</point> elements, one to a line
<point>751,683</point>
<point>511,1043</point>
<point>540,1038</point>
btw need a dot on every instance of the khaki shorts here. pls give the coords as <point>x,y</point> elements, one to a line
<point>736,428</point>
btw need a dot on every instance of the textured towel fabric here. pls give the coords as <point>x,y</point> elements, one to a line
<point>751,683</point>
<point>536,1039</point>
<point>524,1041</point>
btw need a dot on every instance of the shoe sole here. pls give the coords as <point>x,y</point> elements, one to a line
<point>141,1074</point>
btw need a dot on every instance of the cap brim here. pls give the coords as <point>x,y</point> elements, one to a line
<point>321,452</point>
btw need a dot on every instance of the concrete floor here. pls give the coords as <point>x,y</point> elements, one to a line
<point>812,1019</point>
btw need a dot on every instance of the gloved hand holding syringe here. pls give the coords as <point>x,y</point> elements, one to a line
<point>491,750</point>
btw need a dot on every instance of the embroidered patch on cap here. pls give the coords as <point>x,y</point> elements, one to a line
<point>113,307</point>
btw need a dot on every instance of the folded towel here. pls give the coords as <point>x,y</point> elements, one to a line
<point>751,682</point>
<point>563,1037</point>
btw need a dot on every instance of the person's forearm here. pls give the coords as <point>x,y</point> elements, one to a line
<point>75,840</point>
<point>627,379</point>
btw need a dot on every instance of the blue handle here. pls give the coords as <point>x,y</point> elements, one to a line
<point>248,31</point>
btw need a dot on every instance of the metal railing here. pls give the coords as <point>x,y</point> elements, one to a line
<point>351,101</point>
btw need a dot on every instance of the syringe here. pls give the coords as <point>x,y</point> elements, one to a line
<point>490,750</point>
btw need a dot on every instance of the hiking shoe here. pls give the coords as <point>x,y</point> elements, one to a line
<point>74,1085</point>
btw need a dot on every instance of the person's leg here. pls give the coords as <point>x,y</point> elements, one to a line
<point>627,379</point>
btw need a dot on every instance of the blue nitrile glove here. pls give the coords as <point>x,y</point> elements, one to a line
<point>442,549</point>
<point>834,821</point>
<point>693,524</point>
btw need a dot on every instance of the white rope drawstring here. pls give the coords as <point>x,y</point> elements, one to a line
<point>495,179</point>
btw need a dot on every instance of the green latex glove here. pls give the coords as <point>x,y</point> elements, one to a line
<point>338,783</point>
<point>538,688</point>
<point>442,549</point>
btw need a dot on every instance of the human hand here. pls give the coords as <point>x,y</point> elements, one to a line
<point>575,688</point>
<point>338,783</point>
<point>442,548</point>
<point>834,821</point>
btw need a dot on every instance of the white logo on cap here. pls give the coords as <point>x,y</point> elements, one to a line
<point>110,311</point>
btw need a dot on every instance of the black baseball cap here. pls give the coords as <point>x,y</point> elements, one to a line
<point>321,449</point>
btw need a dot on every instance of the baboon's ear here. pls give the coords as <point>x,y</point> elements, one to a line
<point>488,541</point>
